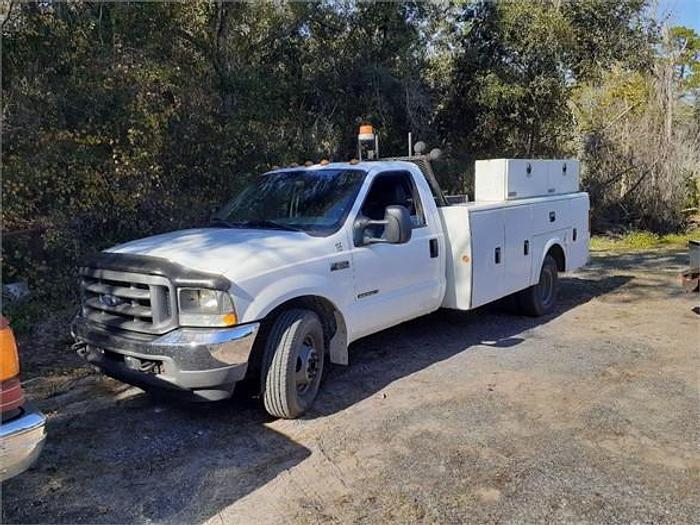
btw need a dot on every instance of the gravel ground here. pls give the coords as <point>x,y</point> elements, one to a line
<point>588,415</point>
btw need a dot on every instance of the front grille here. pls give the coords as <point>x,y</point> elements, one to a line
<point>129,301</point>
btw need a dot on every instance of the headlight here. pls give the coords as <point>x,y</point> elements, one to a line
<point>204,307</point>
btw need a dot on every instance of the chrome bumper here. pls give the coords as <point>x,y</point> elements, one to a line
<point>230,346</point>
<point>204,362</point>
<point>21,441</point>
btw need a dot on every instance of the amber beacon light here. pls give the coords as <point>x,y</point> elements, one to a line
<point>367,143</point>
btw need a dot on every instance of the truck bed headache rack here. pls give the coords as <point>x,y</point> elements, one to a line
<point>423,163</point>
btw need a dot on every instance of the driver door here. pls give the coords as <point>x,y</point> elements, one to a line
<point>395,282</point>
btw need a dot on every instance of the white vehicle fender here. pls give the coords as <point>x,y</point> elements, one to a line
<point>278,292</point>
<point>558,239</point>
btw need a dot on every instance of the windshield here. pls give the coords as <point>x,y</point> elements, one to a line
<point>313,201</point>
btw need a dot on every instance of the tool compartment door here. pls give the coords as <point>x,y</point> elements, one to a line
<point>563,176</point>
<point>577,250</point>
<point>518,250</point>
<point>551,215</point>
<point>526,178</point>
<point>488,255</point>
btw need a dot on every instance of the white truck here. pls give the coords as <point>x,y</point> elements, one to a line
<point>307,260</point>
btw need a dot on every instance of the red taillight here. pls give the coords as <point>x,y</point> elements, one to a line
<point>11,395</point>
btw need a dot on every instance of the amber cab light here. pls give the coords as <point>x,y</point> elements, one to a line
<point>9,359</point>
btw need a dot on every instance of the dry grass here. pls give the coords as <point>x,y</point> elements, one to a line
<point>642,240</point>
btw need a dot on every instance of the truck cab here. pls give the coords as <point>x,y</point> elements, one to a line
<point>305,261</point>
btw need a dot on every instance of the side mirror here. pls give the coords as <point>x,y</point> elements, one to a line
<point>397,227</point>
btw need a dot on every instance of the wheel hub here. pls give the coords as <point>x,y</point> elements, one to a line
<point>307,365</point>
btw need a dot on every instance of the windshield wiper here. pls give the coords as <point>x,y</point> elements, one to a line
<point>263,223</point>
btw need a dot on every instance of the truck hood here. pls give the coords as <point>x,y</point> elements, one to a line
<point>235,253</point>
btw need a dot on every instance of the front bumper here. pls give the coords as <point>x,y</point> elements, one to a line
<point>21,441</point>
<point>199,364</point>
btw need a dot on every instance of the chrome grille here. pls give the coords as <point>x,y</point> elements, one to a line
<point>129,301</point>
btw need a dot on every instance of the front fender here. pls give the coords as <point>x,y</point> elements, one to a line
<point>256,300</point>
<point>280,291</point>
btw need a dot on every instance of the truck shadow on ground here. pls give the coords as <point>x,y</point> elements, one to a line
<point>138,459</point>
<point>380,359</point>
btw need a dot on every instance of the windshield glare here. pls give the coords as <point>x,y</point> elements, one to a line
<point>313,201</point>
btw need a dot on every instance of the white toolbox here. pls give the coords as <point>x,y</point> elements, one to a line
<point>507,179</point>
<point>563,176</point>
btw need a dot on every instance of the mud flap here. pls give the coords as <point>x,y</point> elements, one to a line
<point>339,342</point>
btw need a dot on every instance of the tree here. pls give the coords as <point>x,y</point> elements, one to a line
<point>684,47</point>
<point>126,119</point>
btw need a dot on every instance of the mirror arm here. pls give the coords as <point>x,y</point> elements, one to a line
<point>373,240</point>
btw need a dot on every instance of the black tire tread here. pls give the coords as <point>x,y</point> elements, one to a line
<point>280,343</point>
<point>529,298</point>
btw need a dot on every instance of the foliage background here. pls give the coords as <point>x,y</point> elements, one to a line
<point>121,120</point>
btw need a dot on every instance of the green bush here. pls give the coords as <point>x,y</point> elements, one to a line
<point>122,120</point>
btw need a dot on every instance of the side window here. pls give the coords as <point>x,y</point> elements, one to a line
<point>396,188</point>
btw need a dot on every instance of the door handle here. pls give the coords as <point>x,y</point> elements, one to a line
<point>433,248</point>
<point>552,216</point>
<point>497,255</point>
<point>526,248</point>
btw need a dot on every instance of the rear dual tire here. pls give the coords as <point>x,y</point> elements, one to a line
<point>541,298</point>
<point>293,363</point>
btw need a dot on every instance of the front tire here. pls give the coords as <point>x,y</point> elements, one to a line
<point>541,298</point>
<point>294,355</point>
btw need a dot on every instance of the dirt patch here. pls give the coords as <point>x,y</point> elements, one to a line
<point>588,415</point>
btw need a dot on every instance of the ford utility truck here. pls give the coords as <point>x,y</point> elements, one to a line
<point>307,260</point>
